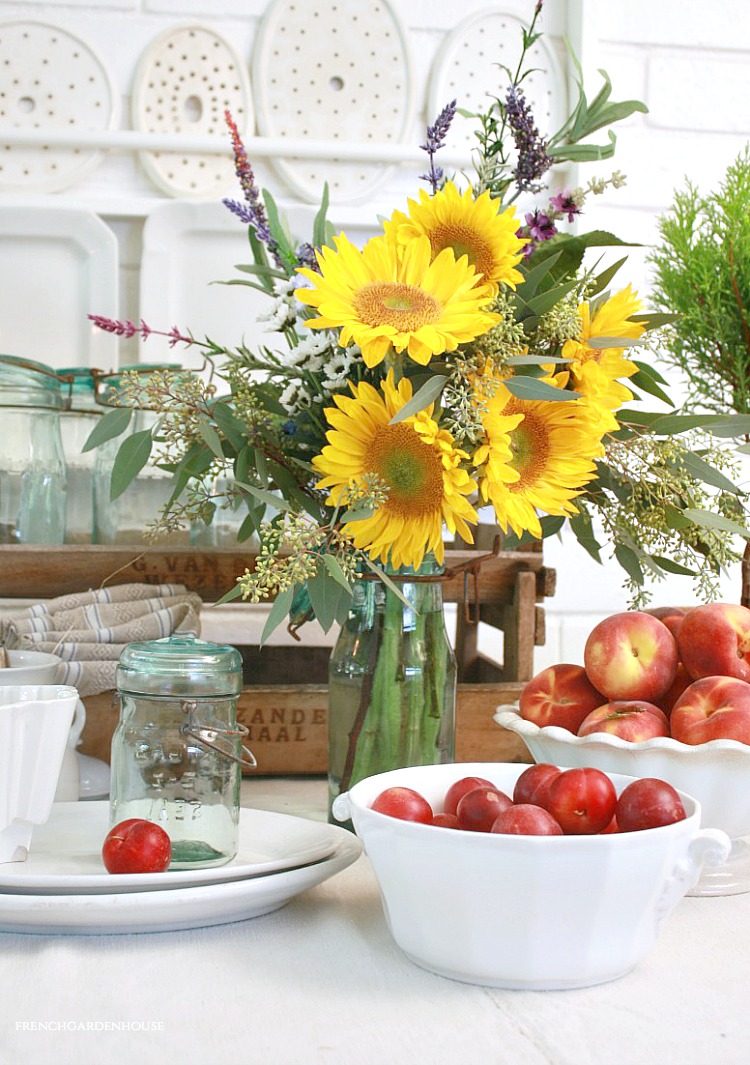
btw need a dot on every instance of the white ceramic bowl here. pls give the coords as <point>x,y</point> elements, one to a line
<point>35,722</point>
<point>529,912</point>
<point>716,773</point>
<point>30,667</point>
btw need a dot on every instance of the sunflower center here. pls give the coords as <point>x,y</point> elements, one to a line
<point>530,448</point>
<point>464,241</point>
<point>404,307</point>
<point>411,470</point>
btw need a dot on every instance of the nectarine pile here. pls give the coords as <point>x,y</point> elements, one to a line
<point>669,671</point>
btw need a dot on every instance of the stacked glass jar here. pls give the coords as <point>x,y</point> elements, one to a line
<point>33,473</point>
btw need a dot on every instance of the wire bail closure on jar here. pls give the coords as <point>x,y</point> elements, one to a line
<point>197,732</point>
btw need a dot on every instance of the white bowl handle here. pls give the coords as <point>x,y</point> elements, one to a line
<point>342,808</point>
<point>709,846</point>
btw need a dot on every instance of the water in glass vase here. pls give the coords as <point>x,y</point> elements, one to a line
<point>391,681</point>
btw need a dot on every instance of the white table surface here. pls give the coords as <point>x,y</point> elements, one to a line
<point>321,982</point>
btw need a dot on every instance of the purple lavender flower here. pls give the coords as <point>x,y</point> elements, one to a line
<point>306,257</point>
<point>564,203</point>
<point>436,135</point>
<point>253,213</point>
<point>129,329</point>
<point>541,227</point>
<point>533,160</point>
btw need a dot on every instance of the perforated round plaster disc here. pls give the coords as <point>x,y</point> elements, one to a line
<point>186,79</point>
<point>50,79</point>
<point>332,71</point>
<point>467,69</point>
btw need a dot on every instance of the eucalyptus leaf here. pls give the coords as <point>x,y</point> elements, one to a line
<point>383,576</point>
<point>629,562</point>
<point>582,528</point>
<point>112,424</point>
<point>535,360</point>
<point>279,610</point>
<point>269,498</point>
<point>536,275</point>
<point>707,519</point>
<point>533,388</point>
<point>601,280</point>
<point>426,395</point>
<point>334,568</point>
<point>646,383</point>
<point>228,597</point>
<point>545,301</point>
<point>722,425</point>
<point>325,595</point>
<point>134,453</point>
<point>357,514</point>
<point>671,566</point>
<point>707,473</point>
<point>232,427</point>
<point>210,437</point>
<point>603,343</point>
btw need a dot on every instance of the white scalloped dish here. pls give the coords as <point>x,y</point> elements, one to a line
<point>717,774</point>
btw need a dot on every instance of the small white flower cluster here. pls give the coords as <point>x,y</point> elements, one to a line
<point>286,308</point>
<point>337,369</point>
<point>295,398</point>
<point>310,353</point>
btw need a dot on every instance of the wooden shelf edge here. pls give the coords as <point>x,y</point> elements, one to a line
<point>43,572</point>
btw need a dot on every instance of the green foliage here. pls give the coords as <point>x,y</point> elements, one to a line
<point>702,271</point>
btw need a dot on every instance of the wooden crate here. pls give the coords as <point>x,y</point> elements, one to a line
<point>288,726</point>
<point>288,721</point>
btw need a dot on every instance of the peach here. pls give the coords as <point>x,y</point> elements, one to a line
<point>714,641</point>
<point>631,655</point>
<point>712,708</point>
<point>671,616</point>
<point>630,719</point>
<point>560,695</point>
<point>681,681</point>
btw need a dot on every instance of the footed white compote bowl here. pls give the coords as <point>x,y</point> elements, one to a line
<point>35,722</point>
<point>717,774</point>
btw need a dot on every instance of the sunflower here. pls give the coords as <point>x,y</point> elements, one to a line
<point>537,455</point>
<point>415,461</point>
<point>391,296</point>
<point>595,371</point>
<point>471,227</point>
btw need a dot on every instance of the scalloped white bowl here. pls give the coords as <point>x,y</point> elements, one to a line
<point>717,774</point>
<point>530,912</point>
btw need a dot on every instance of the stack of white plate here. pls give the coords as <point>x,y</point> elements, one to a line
<point>63,887</point>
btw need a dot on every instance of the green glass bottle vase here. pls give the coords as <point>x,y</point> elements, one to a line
<point>391,680</point>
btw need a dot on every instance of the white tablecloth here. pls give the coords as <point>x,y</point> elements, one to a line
<point>321,982</point>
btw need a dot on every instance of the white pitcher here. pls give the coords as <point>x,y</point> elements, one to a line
<point>35,723</point>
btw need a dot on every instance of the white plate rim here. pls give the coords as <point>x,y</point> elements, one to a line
<point>168,911</point>
<point>312,841</point>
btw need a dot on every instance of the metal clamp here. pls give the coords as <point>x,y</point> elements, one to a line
<point>198,733</point>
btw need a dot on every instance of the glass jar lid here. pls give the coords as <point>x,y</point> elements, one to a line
<point>182,666</point>
<point>79,383</point>
<point>26,383</point>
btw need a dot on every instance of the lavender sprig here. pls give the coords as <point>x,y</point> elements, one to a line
<point>533,160</point>
<point>436,135</point>
<point>129,329</point>
<point>252,211</point>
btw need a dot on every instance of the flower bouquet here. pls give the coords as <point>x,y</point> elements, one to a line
<point>464,358</point>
